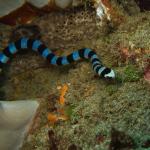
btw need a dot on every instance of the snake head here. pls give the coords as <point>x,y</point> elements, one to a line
<point>110,74</point>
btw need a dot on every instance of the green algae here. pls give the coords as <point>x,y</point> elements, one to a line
<point>131,74</point>
<point>69,111</point>
<point>111,89</point>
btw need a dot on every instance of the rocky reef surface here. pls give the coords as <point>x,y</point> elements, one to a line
<point>101,115</point>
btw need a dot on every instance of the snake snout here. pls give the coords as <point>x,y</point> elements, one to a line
<point>110,75</point>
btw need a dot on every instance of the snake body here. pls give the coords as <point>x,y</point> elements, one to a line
<point>38,46</point>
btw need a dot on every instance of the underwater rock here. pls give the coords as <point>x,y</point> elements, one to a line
<point>13,12</point>
<point>23,11</point>
<point>16,118</point>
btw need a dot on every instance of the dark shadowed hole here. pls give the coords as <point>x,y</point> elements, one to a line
<point>74,147</point>
<point>143,4</point>
<point>146,144</point>
<point>120,140</point>
<point>2,95</point>
<point>52,140</point>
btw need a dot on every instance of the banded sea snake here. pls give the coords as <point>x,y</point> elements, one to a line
<point>38,46</point>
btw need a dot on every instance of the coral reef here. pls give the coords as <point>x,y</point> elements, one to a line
<point>102,115</point>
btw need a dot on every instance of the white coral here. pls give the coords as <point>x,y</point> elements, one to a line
<point>102,10</point>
